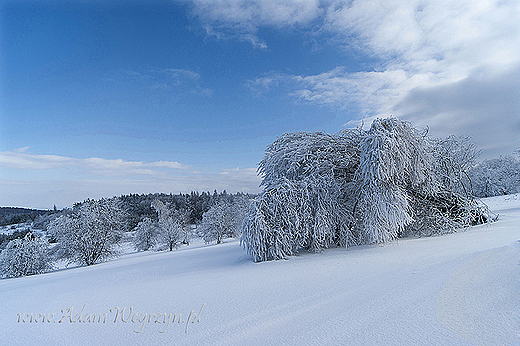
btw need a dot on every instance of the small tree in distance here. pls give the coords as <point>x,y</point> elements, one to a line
<point>495,177</point>
<point>223,220</point>
<point>146,234</point>
<point>173,225</point>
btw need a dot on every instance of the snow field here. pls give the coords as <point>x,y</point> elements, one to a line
<point>457,289</point>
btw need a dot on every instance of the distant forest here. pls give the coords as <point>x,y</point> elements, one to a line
<point>137,206</point>
<point>140,206</point>
<point>11,216</point>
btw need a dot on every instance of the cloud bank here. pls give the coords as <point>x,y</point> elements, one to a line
<point>436,60</point>
<point>40,178</point>
<point>20,159</point>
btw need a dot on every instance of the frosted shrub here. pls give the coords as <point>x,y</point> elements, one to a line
<point>392,159</point>
<point>454,158</point>
<point>292,215</point>
<point>27,256</point>
<point>91,233</point>
<point>223,220</point>
<point>494,177</point>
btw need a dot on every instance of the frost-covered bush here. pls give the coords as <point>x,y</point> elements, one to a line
<point>173,224</point>
<point>223,220</point>
<point>451,206</point>
<point>454,157</point>
<point>292,215</point>
<point>146,233</point>
<point>91,233</point>
<point>357,187</point>
<point>26,256</point>
<point>304,203</point>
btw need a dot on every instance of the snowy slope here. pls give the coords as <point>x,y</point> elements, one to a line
<point>458,289</point>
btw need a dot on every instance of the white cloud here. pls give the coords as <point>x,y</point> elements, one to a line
<point>64,193</point>
<point>21,150</point>
<point>241,178</point>
<point>422,47</point>
<point>341,89</point>
<point>177,73</point>
<point>169,79</point>
<point>252,14</point>
<point>69,180</point>
<point>451,65</point>
<point>268,81</point>
<point>240,19</point>
<point>20,159</point>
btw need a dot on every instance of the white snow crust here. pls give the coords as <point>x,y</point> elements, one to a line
<point>456,289</point>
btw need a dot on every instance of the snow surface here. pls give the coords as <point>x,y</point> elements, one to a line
<point>457,289</point>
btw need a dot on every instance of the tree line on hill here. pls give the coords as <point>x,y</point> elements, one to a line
<point>91,231</point>
<point>11,216</point>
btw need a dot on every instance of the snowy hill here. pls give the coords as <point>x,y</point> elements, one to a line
<point>457,289</point>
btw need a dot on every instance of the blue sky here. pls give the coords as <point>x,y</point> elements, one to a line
<point>100,98</point>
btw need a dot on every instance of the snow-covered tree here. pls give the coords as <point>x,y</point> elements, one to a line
<point>90,234</point>
<point>26,256</point>
<point>452,205</point>
<point>357,187</point>
<point>494,177</point>
<point>453,159</point>
<point>146,234</point>
<point>223,220</point>
<point>174,228</point>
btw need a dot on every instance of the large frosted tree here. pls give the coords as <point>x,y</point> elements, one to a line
<point>356,187</point>
<point>304,203</point>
